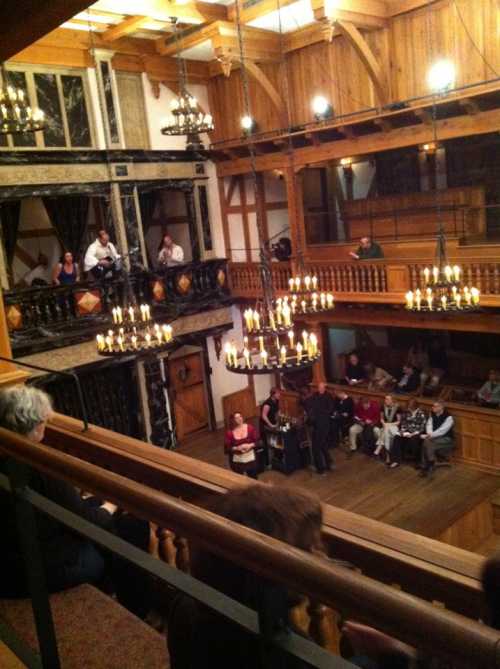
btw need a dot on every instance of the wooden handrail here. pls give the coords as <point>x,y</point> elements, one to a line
<point>410,619</point>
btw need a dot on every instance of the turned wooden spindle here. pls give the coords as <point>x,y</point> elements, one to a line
<point>496,279</point>
<point>182,559</point>
<point>323,626</point>
<point>166,547</point>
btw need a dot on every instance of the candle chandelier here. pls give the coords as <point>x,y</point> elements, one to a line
<point>186,118</point>
<point>133,331</point>
<point>16,114</point>
<point>269,342</point>
<point>304,296</point>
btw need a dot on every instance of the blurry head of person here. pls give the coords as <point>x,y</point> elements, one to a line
<point>493,376</point>
<point>25,410</point>
<point>366,401</point>
<point>103,237</point>
<point>412,405</point>
<point>408,369</point>
<point>321,388</point>
<point>388,400</point>
<point>236,419</point>
<point>67,258</point>
<point>275,393</point>
<point>437,408</point>
<point>353,358</point>
<point>42,260</point>
<point>166,241</point>
<point>365,242</point>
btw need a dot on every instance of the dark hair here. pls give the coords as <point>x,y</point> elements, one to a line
<point>61,259</point>
<point>165,234</point>
<point>101,231</point>
<point>232,421</point>
<point>274,390</point>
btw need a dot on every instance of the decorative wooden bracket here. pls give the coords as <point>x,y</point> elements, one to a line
<point>359,44</point>
<point>225,59</point>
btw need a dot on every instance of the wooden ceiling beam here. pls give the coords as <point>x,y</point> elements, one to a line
<point>366,14</point>
<point>23,22</point>
<point>126,27</point>
<point>450,128</point>
<point>191,12</point>
<point>403,6</point>
<point>256,10</point>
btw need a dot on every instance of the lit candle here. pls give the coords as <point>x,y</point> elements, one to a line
<point>134,342</point>
<point>467,295</point>
<point>418,298</point>
<point>119,314</point>
<point>109,342</point>
<point>147,337</point>
<point>227,351</point>
<point>167,332</point>
<point>448,273</point>
<point>148,312</point>
<point>131,314</point>
<point>299,352</point>
<point>443,302</point>
<point>297,283</point>
<point>307,281</point>
<point>429,301</point>
<point>159,336</point>
<point>322,300</point>
<point>290,284</point>
<point>304,337</point>
<point>261,344</point>
<point>435,274</point>
<point>115,315</point>
<point>246,355</point>
<point>111,335</point>
<point>329,300</point>
<point>456,272</point>
<point>475,295</point>
<point>454,292</point>
<point>427,274</point>
<point>272,323</point>
<point>458,300</point>
<point>314,343</point>
<point>283,355</point>
<point>263,355</point>
<point>248,319</point>
<point>278,313</point>
<point>409,300</point>
<point>143,311</point>
<point>120,343</point>
<point>100,342</point>
<point>286,315</point>
<point>294,306</point>
<point>291,336</point>
<point>256,320</point>
<point>315,301</point>
<point>314,282</point>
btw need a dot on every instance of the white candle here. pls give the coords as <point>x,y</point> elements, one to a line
<point>409,300</point>
<point>299,352</point>
<point>119,314</point>
<point>329,299</point>
<point>314,343</point>
<point>148,339</point>
<point>458,300</point>
<point>256,320</point>
<point>322,300</point>
<point>304,306</point>
<point>443,302</point>
<point>304,338</point>
<point>290,284</point>
<point>286,316</point>
<point>109,342</point>
<point>131,314</point>
<point>148,312</point>
<point>435,274</point>
<point>475,295</point>
<point>120,343</point>
<point>246,355</point>
<point>297,283</point>
<point>278,313</point>
<point>272,323</point>
<point>115,315</point>
<point>291,336</point>
<point>314,282</point>
<point>315,301</point>
<point>426,274</point>
<point>418,298</point>
<point>134,342</point>
<point>283,355</point>
<point>448,272</point>
<point>159,336</point>
<point>261,344</point>
<point>263,355</point>
<point>307,281</point>
<point>456,272</point>
<point>143,312</point>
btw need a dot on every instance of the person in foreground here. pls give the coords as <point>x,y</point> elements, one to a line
<point>240,442</point>
<point>438,437</point>
<point>199,637</point>
<point>69,559</point>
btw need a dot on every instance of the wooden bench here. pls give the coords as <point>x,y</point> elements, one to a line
<point>93,631</point>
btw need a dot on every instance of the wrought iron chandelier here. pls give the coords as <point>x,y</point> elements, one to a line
<point>133,332</point>
<point>304,296</point>
<point>186,118</point>
<point>16,114</point>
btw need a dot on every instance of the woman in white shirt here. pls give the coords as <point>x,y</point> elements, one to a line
<point>169,254</point>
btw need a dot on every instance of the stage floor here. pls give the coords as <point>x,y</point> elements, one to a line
<point>363,485</point>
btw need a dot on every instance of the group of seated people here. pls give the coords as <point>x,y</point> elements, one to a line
<point>196,634</point>
<point>101,261</point>
<point>388,431</point>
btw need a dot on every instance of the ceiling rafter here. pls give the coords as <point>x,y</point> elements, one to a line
<point>126,27</point>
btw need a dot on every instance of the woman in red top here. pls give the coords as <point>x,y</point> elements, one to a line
<point>240,444</point>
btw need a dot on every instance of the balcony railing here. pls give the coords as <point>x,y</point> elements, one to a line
<point>45,317</point>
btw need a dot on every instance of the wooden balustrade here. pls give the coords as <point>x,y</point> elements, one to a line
<point>431,628</point>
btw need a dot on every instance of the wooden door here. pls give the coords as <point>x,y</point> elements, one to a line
<point>187,383</point>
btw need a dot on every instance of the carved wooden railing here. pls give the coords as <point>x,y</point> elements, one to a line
<point>373,281</point>
<point>58,315</point>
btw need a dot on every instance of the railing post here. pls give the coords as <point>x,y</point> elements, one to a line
<point>27,533</point>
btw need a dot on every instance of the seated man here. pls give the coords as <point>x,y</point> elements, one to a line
<point>407,441</point>
<point>39,275</point>
<point>489,393</point>
<point>409,381</point>
<point>366,417</point>
<point>354,372</point>
<point>343,415</point>
<point>169,253</point>
<point>102,260</point>
<point>438,437</point>
<point>378,378</point>
<point>368,250</point>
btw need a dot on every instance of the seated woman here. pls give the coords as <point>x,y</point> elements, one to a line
<point>239,443</point>
<point>489,393</point>
<point>407,440</point>
<point>69,559</point>
<point>390,416</point>
<point>66,272</point>
<point>354,372</point>
<point>378,378</point>
<point>199,637</point>
<point>409,380</point>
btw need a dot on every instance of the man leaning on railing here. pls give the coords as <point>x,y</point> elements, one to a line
<point>367,250</point>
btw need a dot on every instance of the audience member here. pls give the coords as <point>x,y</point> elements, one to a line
<point>39,275</point>
<point>489,393</point>
<point>200,637</point>
<point>66,272</point>
<point>390,416</point>
<point>320,411</point>
<point>378,378</point>
<point>102,260</point>
<point>354,372</point>
<point>409,380</point>
<point>438,365</point>
<point>438,437</point>
<point>367,250</point>
<point>366,417</point>
<point>169,253</point>
<point>69,559</point>
<point>407,441</point>
<point>239,443</point>
<point>269,421</point>
<point>417,356</point>
<point>343,415</point>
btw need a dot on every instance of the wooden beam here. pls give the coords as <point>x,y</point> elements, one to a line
<point>362,48</point>
<point>462,126</point>
<point>130,25</point>
<point>24,21</point>
<point>402,6</point>
<point>299,39</point>
<point>366,14</point>
<point>161,10</point>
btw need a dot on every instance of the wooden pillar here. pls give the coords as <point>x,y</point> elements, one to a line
<point>9,373</point>
<point>294,191</point>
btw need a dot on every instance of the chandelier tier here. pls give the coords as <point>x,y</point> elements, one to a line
<point>133,332</point>
<point>304,298</point>
<point>16,114</point>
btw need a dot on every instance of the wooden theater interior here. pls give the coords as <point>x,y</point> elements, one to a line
<point>321,123</point>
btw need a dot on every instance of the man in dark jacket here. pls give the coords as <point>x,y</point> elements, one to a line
<point>320,411</point>
<point>367,250</point>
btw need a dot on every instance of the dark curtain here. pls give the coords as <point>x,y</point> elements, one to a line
<point>69,215</point>
<point>10,216</point>
<point>147,203</point>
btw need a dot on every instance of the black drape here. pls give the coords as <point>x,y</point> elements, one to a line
<point>10,216</point>
<point>69,215</point>
<point>147,204</point>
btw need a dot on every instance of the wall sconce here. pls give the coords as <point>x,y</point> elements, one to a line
<point>431,147</point>
<point>322,109</point>
<point>346,163</point>
<point>248,125</point>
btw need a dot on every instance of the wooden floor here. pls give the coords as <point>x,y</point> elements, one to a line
<point>398,496</point>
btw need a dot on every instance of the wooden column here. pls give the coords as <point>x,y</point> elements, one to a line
<point>294,192</point>
<point>9,373</point>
